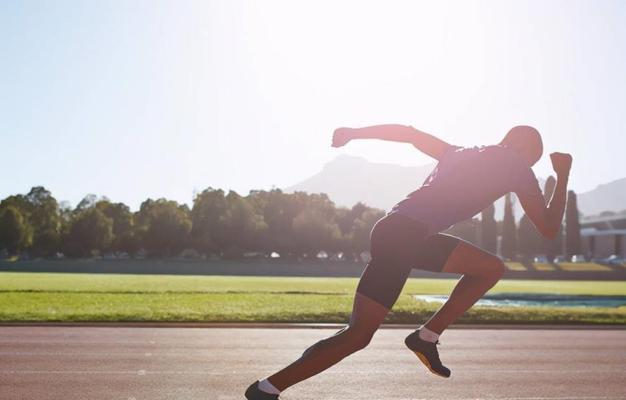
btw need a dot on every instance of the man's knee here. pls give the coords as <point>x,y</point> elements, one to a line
<point>356,338</point>
<point>345,342</point>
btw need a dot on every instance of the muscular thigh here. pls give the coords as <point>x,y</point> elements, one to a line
<point>468,259</point>
<point>433,253</point>
<point>392,248</point>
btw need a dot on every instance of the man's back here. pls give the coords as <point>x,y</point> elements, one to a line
<point>465,181</point>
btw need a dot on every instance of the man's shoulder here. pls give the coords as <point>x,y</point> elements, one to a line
<point>498,151</point>
<point>480,147</point>
<point>483,149</point>
<point>504,159</point>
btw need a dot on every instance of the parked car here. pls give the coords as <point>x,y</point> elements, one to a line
<point>619,261</point>
<point>540,259</point>
<point>321,255</point>
<point>560,258</point>
<point>613,259</point>
<point>578,258</point>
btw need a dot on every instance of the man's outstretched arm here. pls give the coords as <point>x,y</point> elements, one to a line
<point>423,141</point>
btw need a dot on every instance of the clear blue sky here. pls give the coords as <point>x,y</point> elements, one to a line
<point>137,99</point>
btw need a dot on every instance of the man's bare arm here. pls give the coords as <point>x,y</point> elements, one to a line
<point>423,141</point>
<point>548,219</point>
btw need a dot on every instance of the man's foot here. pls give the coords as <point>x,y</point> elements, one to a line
<point>427,353</point>
<point>254,393</point>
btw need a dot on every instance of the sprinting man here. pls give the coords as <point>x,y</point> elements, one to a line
<point>465,181</point>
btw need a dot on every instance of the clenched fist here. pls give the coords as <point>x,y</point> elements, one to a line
<point>341,137</point>
<point>561,163</point>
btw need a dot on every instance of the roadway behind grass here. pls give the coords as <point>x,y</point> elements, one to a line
<point>111,297</point>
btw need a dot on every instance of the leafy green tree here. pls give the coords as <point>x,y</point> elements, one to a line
<point>207,215</point>
<point>346,217</point>
<point>243,226</point>
<point>279,210</point>
<point>90,231</point>
<point>313,227</point>
<point>89,201</point>
<point>355,225</point>
<point>15,233</point>
<point>313,232</point>
<point>45,218</point>
<point>362,226</point>
<point>41,211</point>
<point>509,239</point>
<point>163,226</point>
<point>123,225</point>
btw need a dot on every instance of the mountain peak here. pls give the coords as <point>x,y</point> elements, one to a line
<point>349,179</point>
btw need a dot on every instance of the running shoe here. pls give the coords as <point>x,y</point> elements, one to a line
<point>427,353</point>
<point>254,393</point>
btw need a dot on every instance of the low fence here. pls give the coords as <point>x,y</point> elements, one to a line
<point>588,271</point>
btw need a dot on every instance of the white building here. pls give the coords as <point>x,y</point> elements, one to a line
<point>603,236</point>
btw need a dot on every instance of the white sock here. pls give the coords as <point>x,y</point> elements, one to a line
<point>267,387</point>
<point>428,335</point>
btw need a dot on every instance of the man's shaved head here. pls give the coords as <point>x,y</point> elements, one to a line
<point>526,140</point>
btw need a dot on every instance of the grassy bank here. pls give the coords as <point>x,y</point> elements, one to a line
<point>105,297</point>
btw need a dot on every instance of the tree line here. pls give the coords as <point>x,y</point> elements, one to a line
<point>228,225</point>
<point>522,241</point>
<point>223,224</point>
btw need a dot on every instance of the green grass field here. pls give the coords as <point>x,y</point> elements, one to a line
<point>113,297</point>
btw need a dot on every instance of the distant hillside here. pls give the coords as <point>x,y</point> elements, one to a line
<point>606,197</point>
<point>349,179</point>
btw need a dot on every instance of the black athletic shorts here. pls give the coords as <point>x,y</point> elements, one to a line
<point>398,244</point>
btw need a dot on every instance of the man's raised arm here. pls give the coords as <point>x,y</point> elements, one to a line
<point>548,219</point>
<point>426,143</point>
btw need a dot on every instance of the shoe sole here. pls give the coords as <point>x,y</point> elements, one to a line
<point>425,361</point>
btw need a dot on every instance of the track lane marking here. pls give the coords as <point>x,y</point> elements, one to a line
<point>196,372</point>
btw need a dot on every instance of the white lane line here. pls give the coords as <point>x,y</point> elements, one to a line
<point>559,398</point>
<point>133,372</point>
<point>551,398</point>
<point>224,373</point>
<point>544,371</point>
<point>43,372</point>
<point>529,398</point>
<point>75,342</point>
<point>77,354</point>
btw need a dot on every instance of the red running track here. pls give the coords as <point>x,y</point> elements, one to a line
<point>218,363</point>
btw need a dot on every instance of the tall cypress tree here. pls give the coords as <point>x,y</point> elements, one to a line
<point>529,240</point>
<point>466,230</point>
<point>572,226</point>
<point>553,247</point>
<point>509,232</point>
<point>489,229</point>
